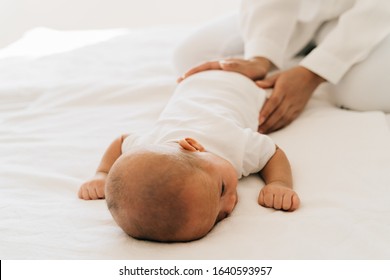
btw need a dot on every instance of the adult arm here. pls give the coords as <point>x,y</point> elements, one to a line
<point>266,27</point>
<point>358,32</point>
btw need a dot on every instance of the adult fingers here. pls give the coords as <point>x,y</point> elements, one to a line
<point>274,122</point>
<point>284,115</point>
<point>274,97</point>
<point>251,69</point>
<point>268,82</point>
<point>271,112</point>
<point>234,66</point>
<point>264,84</point>
<point>210,65</point>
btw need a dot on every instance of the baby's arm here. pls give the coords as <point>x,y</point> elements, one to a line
<point>277,192</point>
<point>94,188</point>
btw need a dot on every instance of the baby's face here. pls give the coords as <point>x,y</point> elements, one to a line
<point>213,194</point>
<point>223,178</point>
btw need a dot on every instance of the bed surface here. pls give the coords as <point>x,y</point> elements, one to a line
<point>66,95</point>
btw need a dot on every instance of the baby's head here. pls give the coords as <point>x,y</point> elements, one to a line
<point>171,192</point>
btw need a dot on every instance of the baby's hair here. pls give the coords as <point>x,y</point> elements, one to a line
<point>151,206</point>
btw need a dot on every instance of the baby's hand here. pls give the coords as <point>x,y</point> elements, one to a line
<point>278,196</point>
<point>94,188</point>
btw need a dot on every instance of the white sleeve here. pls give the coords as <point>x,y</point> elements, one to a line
<point>130,142</point>
<point>358,31</point>
<point>259,149</point>
<point>267,27</point>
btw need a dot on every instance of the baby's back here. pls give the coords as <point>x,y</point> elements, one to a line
<point>219,109</point>
<point>212,96</point>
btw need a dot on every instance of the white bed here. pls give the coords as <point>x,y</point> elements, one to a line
<point>65,95</point>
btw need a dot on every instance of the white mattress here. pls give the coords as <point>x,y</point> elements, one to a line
<point>66,95</point>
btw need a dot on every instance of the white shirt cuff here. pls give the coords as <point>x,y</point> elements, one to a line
<point>325,65</point>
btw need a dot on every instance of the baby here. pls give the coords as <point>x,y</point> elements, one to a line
<point>180,179</point>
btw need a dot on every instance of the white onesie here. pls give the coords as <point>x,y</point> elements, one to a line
<point>220,110</point>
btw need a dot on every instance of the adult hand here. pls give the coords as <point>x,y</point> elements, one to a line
<point>255,68</point>
<point>292,90</point>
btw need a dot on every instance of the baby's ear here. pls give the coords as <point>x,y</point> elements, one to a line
<point>191,145</point>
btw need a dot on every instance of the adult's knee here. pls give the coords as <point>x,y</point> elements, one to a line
<point>366,86</point>
<point>186,54</point>
<point>214,40</point>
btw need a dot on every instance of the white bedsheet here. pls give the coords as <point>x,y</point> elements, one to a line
<point>65,95</point>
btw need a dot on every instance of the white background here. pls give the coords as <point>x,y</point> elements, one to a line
<point>17,16</point>
<point>102,270</point>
